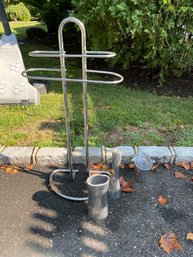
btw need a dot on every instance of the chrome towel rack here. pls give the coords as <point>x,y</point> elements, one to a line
<point>64,79</point>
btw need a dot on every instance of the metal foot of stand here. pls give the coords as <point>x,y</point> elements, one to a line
<point>55,189</point>
<point>64,79</point>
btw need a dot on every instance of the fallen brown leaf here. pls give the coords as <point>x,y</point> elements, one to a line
<point>122,182</point>
<point>10,169</point>
<point>185,165</point>
<point>169,242</point>
<point>167,165</point>
<point>163,200</point>
<point>128,190</point>
<point>191,165</point>
<point>100,166</point>
<point>96,166</point>
<point>131,165</point>
<point>189,236</point>
<point>28,167</point>
<point>179,174</point>
<point>3,167</point>
<point>110,170</point>
<point>126,186</point>
<point>155,166</point>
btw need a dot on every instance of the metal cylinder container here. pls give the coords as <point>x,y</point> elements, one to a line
<point>98,187</point>
<point>114,190</point>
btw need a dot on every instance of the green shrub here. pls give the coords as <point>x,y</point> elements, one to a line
<point>18,12</point>
<point>154,33</point>
<point>35,33</point>
<point>6,3</point>
<point>35,13</point>
<point>51,12</point>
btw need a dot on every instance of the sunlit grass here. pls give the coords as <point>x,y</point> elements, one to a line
<point>118,115</point>
<point>19,27</point>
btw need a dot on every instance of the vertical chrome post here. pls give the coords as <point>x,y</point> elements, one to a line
<point>85,89</point>
<point>65,92</point>
<point>85,92</point>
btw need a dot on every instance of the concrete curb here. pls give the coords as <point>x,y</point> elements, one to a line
<point>58,155</point>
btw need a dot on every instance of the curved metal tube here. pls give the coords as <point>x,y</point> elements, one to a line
<point>55,189</point>
<point>89,54</point>
<point>120,78</point>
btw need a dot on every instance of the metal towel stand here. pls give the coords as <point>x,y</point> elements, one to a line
<point>62,55</point>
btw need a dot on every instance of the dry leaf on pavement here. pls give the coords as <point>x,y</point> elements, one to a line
<point>189,236</point>
<point>169,242</point>
<point>97,166</point>
<point>163,200</point>
<point>10,169</point>
<point>167,165</point>
<point>179,174</point>
<point>126,186</point>
<point>184,164</point>
<point>28,167</point>
<point>155,166</point>
<point>100,166</point>
<point>131,165</point>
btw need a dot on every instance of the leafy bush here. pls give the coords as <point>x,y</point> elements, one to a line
<point>156,34</point>
<point>35,33</point>
<point>35,13</point>
<point>18,12</point>
<point>6,3</point>
<point>51,12</point>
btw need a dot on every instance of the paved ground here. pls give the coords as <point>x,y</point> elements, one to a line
<point>36,223</point>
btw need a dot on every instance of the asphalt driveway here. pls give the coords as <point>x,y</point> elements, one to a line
<point>35,222</point>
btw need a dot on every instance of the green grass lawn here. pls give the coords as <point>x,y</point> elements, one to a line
<point>118,115</point>
<point>19,27</point>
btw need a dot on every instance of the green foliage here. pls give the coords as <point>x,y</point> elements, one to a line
<point>18,12</point>
<point>6,3</point>
<point>51,12</point>
<point>35,33</point>
<point>153,33</point>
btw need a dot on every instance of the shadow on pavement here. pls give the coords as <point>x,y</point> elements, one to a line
<point>35,222</point>
<point>63,228</point>
<point>134,225</point>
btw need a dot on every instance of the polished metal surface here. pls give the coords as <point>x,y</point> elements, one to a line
<point>57,191</point>
<point>108,73</point>
<point>115,78</point>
